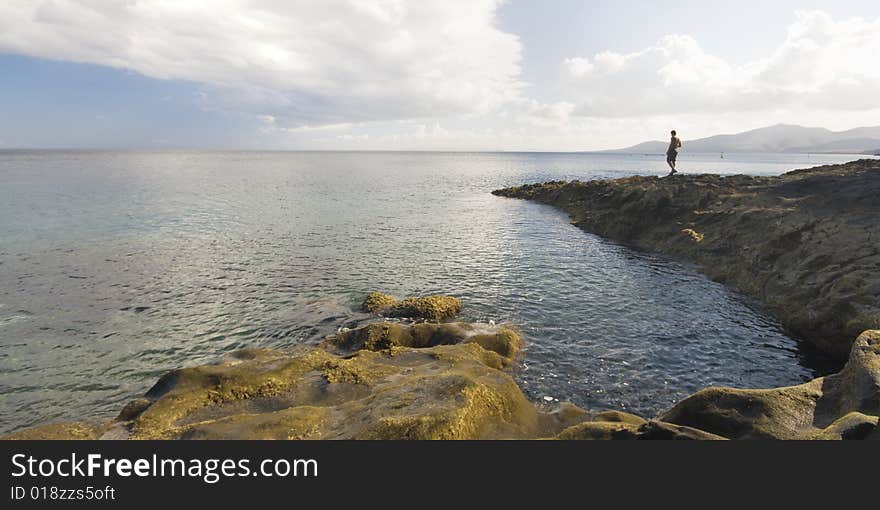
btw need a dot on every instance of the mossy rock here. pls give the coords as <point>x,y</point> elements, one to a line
<point>631,429</point>
<point>854,425</point>
<point>598,431</point>
<point>837,406</point>
<point>439,392</point>
<point>382,381</point>
<point>447,381</point>
<point>58,431</point>
<point>376,302</point>
<point>619,417</point>
<point>431,308</point>
<point>502,340</point>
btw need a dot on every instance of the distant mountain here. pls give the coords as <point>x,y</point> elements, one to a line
<point>779,138</point>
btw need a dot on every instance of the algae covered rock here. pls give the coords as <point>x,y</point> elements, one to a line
<point>432,308</point>
<point>447,381</point>
<point>629,430</point>
<point>375,302</point>
<point>501,340</point>
<point>854,425</point>
<point>598,431</point>
<point>59,431</point>
<point>617,425</point>
<point>840,406</point>
<point>382,381</point>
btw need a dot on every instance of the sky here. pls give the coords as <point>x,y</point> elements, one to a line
<point>529,75</point>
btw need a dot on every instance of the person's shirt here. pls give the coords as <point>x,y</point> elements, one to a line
<point>674,144</point>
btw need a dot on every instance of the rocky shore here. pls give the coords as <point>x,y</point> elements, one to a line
<point>451,380</point>
<point>806,243</point>
<point>385,380</point>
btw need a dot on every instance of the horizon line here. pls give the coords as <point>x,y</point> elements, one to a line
<point>604,152</point>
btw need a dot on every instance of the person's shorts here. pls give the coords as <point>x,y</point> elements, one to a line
<point>671,156</point>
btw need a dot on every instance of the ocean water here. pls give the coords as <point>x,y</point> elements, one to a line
<point>118,266</point>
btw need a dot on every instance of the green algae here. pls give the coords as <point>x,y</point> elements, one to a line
<point>447,381</point>
<point>385,381</point>
<point>431,308</point>
<point>375,302</point>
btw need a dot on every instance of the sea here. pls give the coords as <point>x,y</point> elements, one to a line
<point>117,266</point>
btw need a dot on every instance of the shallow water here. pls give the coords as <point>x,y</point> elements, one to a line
<point>118,266</point>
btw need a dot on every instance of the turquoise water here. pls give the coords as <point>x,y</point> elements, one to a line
<point>118,266</point>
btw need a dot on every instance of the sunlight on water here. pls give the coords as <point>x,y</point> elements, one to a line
<point>116,267</point>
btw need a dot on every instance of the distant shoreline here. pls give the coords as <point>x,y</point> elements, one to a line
<point>609,152</point>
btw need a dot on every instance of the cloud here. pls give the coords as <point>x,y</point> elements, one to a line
<point>440,74</point>
<point>303,62</point>
<point>822,64</point>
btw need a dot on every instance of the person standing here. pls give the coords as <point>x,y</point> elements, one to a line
<point>672,152</point>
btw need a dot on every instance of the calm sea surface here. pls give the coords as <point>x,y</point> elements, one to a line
<point>118,266</point>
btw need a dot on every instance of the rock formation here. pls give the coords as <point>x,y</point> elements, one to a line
<point>450,381</point>
<point>382,381</point>
<point>432,308</point>
<point>806,243</point>
<point>841,406</point>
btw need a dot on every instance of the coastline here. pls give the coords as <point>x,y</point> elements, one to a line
<point>806,243</point>
<point>765,236</point>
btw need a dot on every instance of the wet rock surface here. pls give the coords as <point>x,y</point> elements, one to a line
<point>840,406</point>
<point>451,381</point>
<point>806,243</point>
<point>382,381</point>
<point>431,308</point>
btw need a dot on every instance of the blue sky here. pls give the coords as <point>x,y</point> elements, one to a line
<point>48,103</point>
<point>444,74</point>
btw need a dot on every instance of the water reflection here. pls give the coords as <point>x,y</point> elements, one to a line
<point>116,267</point>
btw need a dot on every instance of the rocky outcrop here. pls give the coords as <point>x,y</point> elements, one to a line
<point>432,308</point>
<point>841,406</point>
<point>806,243</point>
<point>386,335</point>
<point>61,431</point>
<point>382,381</point>
<point>615,425</point>
<point>449,381</point>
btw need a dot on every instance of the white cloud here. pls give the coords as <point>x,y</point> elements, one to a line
<point>439,74</point>
<point>301,61</point>
<point>822,64</point>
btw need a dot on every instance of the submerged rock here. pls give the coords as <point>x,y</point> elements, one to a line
<point>840,406</point>
<point>806,243</point>
<point>432,308</point>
